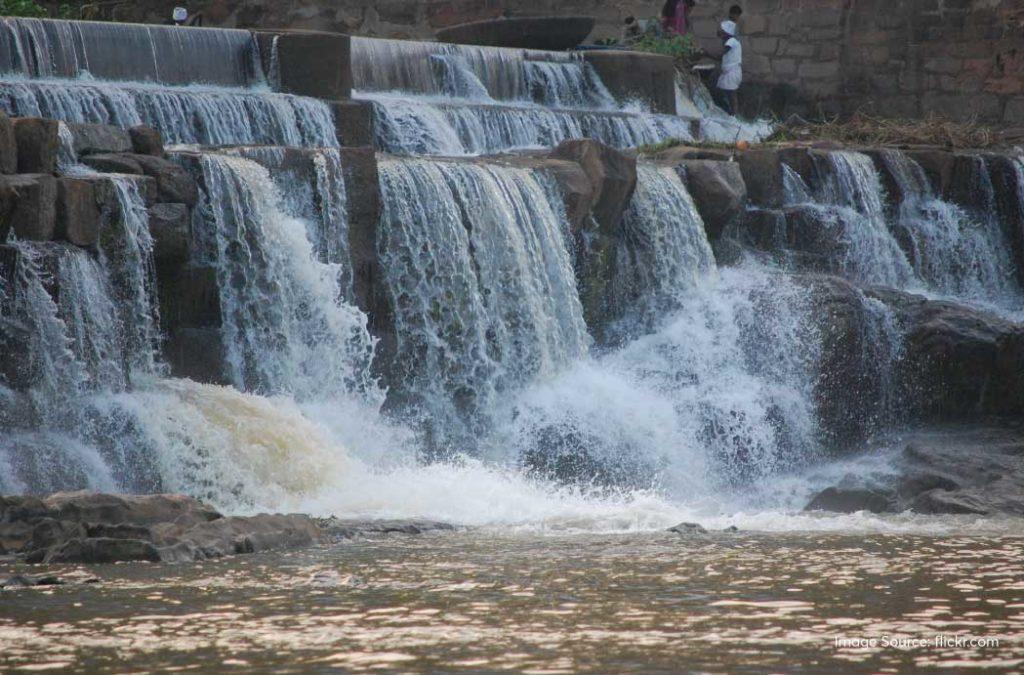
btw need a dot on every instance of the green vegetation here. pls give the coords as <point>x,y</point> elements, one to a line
<point>679,47</point>
<point>32,9</point>
<point>28,8</point>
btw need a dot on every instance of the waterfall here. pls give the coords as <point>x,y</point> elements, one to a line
<point>952,251</point>
<point>484,74</point>
<point>849,207</point>
<point>664,250</point>
<point>286,325</point>
<point>188,115</point>
<point>112,51</point>
<point>409,126</point>
<point>718,396</point>
<point>482,286</point>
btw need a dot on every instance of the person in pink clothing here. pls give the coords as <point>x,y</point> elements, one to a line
<point>675,16</point>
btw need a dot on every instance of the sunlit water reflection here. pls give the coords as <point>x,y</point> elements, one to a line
<point>482,601</point>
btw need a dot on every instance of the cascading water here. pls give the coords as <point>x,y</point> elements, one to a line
<point>415,126</point>
<point>113,51</point>
<point>952,251</point>
<point>664,251</point>
<point>192,115</point>
<point>286,325</point>
<point>482,74</point>
<point>848,207</point>
<point>481,282</point>
<point>504,99</point>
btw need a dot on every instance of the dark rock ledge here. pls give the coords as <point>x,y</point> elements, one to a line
<point>88,527</point>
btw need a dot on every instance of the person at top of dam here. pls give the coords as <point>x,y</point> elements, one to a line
<point>675,16</point>
<point>735,12</point>
<point>731,75</point>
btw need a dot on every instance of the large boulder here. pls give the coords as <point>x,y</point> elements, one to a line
<point>91,139</point>
<point>959,363</point>
<point>762,175</point>
<point>612,174</point>
<point>950,470</point>
<point>33,207</point>
<point>577,191</point>
<point>38,143</point>
<point>938,166</point>
<point>78,212</point>
<point>92,507</point>
<point>718,192</point>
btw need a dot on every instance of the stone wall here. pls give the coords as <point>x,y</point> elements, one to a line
<point>959,58</point>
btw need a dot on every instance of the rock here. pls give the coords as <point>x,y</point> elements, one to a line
<point>170,227</point>
<point>102,551</point>
<point>762,174</point>
<point>95,507</point>
<point>173,182</point>
<point>8,148</point>
<point>78,213</point>
<point>33,215</point>
<point>938,166</point>
<point>23,581</point>
<point>949,470</point>
<point>350,529</point>
<point>93,139</point>
<point>959,363</point>
<point>38,143</point>
<point>553,33</point>
<point>839,500</point>
<point>146,141</point>
<point>612,174</point>
<point>85,527</point>
<point>1009,197</point>
<point>688,529</point>
<point>197,353</point>
<point>114,164</point>
<point>577,191</point>
<point>718,192</point>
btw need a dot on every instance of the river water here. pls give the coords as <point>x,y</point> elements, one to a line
<point>487,600</point>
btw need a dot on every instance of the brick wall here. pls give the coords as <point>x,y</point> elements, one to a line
<point>959,58</point>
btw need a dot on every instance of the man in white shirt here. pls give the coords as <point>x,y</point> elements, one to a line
<point>732,66</point>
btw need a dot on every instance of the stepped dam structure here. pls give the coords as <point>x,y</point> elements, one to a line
<point>306,271</point>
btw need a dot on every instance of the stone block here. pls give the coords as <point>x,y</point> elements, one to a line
<point>308,63</point>
<point>783,67</point>
<point>942,65</point>
<point>8,146</point>
<point>963,107</point>
<point>189,296</point>
<point>114,164</point>
<point>34,213</point>
<point>353,122</point>
<point>763,45</point>
<point>1013,113</point>
<point>78,212</point>
<point>815,70</point>
<point>761,170</point>
<point>754,25</point>
<point>633,75</point>
<point>92,139</point>
<point>797,49</point>
<point>146,141</point>
<point>173,183</point>
<point>38,142</point>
